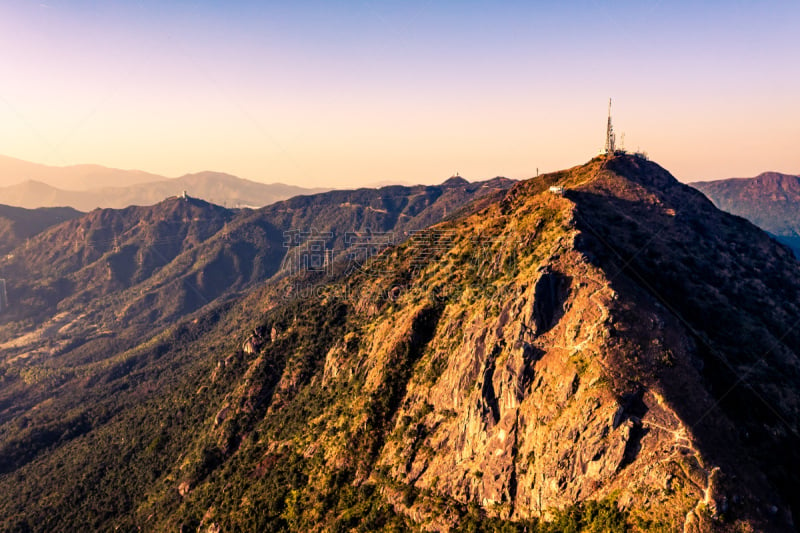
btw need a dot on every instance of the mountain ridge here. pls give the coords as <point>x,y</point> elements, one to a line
<point>195,251</point>
<point>87,187</point>
<point>770,200</point>
<point>18,224</point>
<point>14,171</point>
<point>214,187</point>
<point>591,358</point>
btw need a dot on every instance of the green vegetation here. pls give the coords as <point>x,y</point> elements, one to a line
<point>180,395</point>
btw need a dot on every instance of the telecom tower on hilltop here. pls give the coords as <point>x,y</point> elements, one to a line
<point>610,137</point>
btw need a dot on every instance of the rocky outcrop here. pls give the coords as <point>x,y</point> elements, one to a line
<point>524,416</point>
<point>570,387</point>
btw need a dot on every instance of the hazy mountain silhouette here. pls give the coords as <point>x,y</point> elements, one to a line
<point>87,187</point>
<point>75,177</point>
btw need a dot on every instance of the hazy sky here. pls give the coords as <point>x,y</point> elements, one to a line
<point>345,93</point>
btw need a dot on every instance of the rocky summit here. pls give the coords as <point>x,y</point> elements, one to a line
<point>596,349</point>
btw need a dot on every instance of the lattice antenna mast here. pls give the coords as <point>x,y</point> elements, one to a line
<point>610,137</point>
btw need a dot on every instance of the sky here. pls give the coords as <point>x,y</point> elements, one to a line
<point>340,94</point>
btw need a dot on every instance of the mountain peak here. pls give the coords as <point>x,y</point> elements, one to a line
<point>548,350</point>
<point>776,176</point>
<point>641,170</point>
<point>770,200</point>
<point>771,182</point>
<point>455,181</point>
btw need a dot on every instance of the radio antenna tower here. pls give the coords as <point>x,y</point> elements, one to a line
<point>610,137</point>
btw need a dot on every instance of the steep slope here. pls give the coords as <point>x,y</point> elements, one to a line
<point>622,356</point>
<point>18,224</point>
<point>771,201</point>
<point>153,264</point>
<point>85,295</point>
<point>734,291</point>
<point>525,379</point>
<point>111,283</point>
<point>102,252</point>
<point>349,222</point>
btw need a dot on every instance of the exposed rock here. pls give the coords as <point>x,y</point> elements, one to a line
<point>221,415</point>
<point>253,343</point>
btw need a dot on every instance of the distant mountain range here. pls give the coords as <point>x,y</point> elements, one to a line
<point>153,264</point>
<point>87,187</point>
<point>76,177</point>
<point>770,200</point>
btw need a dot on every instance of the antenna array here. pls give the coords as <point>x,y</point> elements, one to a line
<point>610,136</point>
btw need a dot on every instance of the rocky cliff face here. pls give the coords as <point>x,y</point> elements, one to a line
<point>621,342</point>
<point>539,375</point>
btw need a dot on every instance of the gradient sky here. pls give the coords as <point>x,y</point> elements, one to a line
<point>347,93</point>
